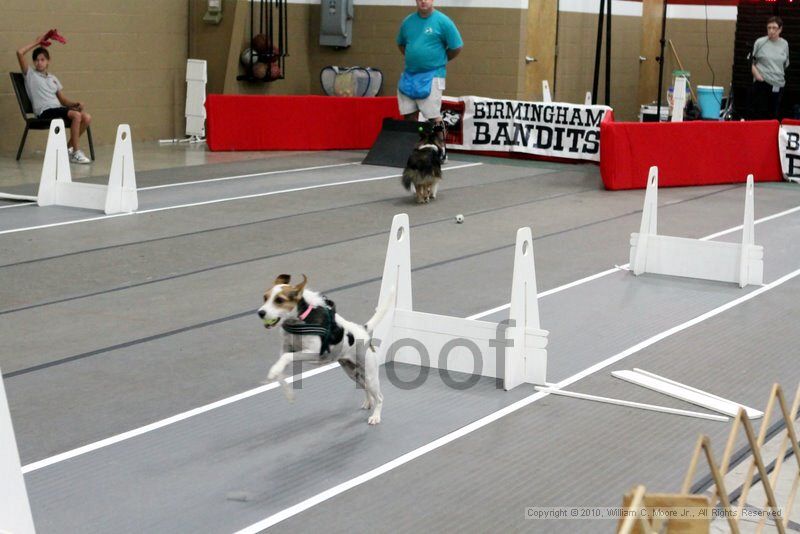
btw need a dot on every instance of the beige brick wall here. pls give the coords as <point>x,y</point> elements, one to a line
<point>210,41</point>
<point>577,34</point>
<point>689,37</point>
<point>124,60</point>
<point>488,66</point>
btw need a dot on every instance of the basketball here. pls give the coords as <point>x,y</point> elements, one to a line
<point>260,70</point>
<point>275,71</point>
<point>260,44</point>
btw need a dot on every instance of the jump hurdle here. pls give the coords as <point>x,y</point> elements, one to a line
<point>457,344</point>
<point>57,188</point>
<point>546,96</point>
<point>741,263</point>
<point>15,510</point>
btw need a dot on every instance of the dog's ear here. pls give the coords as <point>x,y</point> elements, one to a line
<point>302,285</point>
<point>282,279</point>
<point>297,291</point>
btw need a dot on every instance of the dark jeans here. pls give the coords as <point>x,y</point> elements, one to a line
<point>766,103</point>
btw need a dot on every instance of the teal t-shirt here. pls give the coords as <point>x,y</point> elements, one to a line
<point>427,41</point>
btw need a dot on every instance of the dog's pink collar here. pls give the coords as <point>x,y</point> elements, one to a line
<point>305,313</point>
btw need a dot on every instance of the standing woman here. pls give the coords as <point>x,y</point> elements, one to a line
<point>769,61</point>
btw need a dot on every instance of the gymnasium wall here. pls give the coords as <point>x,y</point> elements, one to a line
<point>686,27</point>
<point>124,59</point>
<point>490,63</point>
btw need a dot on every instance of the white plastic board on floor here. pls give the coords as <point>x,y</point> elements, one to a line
<point>15,509</point>
<point>686,393</point>
<point>57,188</point>
<point>631,404</point>
<point>457,344</point>
<point>650,252</point>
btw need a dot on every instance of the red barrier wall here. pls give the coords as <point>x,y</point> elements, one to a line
<point>254,122</point>
<point>688,153</point>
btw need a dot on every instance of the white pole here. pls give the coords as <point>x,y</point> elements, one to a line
<point>631,404</point>
<point>15,510</point>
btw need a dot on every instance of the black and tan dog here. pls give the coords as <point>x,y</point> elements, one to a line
<point>424,167</point>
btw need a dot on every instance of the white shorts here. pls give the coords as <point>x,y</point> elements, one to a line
<point>430,107</point>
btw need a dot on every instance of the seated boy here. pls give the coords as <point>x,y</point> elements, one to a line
<point>48,101</point>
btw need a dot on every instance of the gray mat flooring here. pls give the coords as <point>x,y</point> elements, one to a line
<point>114,324</point>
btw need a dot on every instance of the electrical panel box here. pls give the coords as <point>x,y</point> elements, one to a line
<point>336,23</point>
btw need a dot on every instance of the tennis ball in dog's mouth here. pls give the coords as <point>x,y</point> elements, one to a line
<point>270,322</point>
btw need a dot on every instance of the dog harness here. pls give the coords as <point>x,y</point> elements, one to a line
<point>316,321</point>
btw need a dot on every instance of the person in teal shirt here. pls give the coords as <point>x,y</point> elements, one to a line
<point>428,39</point>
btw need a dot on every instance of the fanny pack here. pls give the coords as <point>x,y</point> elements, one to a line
<point>416,85</point>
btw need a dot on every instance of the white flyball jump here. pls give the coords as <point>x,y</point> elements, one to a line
<point>57,188</point>
<point>740,263</point>
<point>15,509</point>
<point>457,344</point>
<point>546,96</point>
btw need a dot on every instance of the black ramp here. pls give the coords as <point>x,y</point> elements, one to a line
<point>394,144</point>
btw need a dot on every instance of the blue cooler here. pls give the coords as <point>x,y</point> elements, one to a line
<point>709,98</point>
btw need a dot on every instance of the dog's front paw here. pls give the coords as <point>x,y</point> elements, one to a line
<point>287,391</point>
<point>374,419</point>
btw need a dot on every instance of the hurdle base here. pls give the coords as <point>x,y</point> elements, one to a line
<point>706,260</point>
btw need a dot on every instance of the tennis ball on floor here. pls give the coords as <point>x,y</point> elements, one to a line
<point>459,218</point>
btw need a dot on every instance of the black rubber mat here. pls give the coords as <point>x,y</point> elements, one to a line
<point>394,144</point>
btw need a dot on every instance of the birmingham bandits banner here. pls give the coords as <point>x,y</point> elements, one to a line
<point>789,145</point>
<point>552,129</point>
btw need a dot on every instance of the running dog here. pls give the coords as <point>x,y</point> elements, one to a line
<point>314,332</point>
<point>424,167</point>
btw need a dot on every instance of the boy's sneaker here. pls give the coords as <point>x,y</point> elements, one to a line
<point>77,156</point>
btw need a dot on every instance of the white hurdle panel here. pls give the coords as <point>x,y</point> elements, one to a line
<point>741,263</point>
<point>57,188</point>
<point>15,509</point>
<point>463,344</point>
<point>678,99</point>
<point>546,96</point>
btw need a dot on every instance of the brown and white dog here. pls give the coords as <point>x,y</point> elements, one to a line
<point>314,332</point>
<point>424,166</point>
